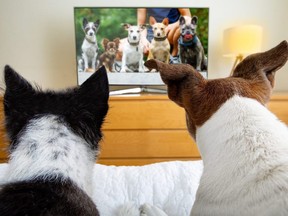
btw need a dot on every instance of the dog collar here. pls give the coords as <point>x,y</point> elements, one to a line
<point>189,43</point>
<point>90,41</point>
<point>134,44</point>
<point>160,38</point>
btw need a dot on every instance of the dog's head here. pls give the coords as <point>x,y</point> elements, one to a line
<point>252,78</point>
<point>83,108</point>
<point>111,47</point>
<point>188,27</point>
<point>134,32</point>
<point>158,28</point>
<point>90,28</point>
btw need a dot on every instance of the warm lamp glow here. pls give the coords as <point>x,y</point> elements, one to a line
<point>242,40</point>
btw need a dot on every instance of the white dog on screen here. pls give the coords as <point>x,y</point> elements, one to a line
<point>132,57</point>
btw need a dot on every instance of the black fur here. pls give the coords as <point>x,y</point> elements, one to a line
<point>83,109</point>
<point>45,198</point>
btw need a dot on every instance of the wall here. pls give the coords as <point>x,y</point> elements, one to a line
<point>37,37</point>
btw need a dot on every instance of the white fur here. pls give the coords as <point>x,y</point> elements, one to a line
<point>245,154</point>
<point>75,160</point>
<point>132,54</point>
<point>90,50</point>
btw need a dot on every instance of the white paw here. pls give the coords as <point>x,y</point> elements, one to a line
<point>149,210</point>
<point>141,69</point>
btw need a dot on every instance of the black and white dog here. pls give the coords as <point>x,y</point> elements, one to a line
<point>54,144</point>
<point>191,50</point>
<point>89,45</point>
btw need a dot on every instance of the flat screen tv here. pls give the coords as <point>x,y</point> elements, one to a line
<point>115,38</point>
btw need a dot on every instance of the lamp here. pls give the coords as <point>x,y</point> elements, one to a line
<point>242,40</point>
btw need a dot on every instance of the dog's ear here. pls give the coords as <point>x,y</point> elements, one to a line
<point>263,65</point>
<point>15,83</point>
<point>194,20</point>
<point>104,43</point>
<point>96,87</point>
<point>18,100</point>
<point>18,90</point>
<point>169,72</point>
<point>181,79</point>
<point>152,20</point>
<point>92,97</point>
<point>142,27</point>
<point>97,23</point>
<point>182,20</point>
<point>87,106</point>
<point>84,22</point>
<point>165,21</point>
<point>117,42</point>
<point>126,26</point>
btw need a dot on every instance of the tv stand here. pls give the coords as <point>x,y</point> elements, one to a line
<point>138,90</point>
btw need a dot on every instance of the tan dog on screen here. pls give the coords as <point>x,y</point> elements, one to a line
<point>243,145</point>
<point>159,47</point>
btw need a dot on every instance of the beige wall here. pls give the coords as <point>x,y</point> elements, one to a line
<point>37,36</point>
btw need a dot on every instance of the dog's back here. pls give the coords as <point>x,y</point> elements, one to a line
<point>246,161</point>
<point>54,144</point>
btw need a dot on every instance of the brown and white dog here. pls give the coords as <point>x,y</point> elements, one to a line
<point>159,47</point>
<point>107,58</point>
<point>243,145</point>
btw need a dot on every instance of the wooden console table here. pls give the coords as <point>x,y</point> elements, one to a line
<point>145,129</point>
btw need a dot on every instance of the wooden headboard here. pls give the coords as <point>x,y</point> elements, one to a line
<point>147,129</point>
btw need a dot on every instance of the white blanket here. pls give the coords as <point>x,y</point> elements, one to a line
<point>169,185</point>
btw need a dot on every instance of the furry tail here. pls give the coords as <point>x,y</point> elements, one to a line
<point>132,209</point>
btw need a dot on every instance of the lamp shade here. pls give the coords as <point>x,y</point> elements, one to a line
<point>242,40</point>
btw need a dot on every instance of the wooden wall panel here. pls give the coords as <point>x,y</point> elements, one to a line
<point>3,139</point>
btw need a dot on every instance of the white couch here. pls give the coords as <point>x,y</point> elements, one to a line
<point>169,185</point>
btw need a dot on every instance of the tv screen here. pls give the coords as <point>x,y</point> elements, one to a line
<point>123,39</point>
